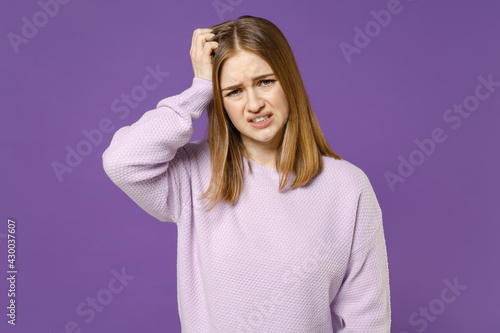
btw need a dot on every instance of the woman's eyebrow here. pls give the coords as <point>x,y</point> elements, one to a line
<point>255,79</point>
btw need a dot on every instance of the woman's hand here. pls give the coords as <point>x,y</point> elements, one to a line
<point>201,51</point>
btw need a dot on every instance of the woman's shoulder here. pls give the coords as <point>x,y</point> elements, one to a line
<point>197,147</point>
<point>197,152</point>
<point>345,171</point>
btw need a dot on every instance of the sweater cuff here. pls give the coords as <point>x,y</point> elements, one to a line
<point>203,93</point>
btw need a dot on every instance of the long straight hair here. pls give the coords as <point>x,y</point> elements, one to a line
<point>302,145</point>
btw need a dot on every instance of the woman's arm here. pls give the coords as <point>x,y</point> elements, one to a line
<point>147,160</point>
<point>362,303</point>
<point>141,157</point>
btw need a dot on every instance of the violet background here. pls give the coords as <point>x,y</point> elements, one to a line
<point>440,223</point>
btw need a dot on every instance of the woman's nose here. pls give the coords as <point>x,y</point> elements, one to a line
<point>254,101</point>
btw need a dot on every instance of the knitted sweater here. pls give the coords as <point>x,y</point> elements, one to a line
<point>311,259</point>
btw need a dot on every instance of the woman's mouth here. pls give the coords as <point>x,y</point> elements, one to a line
<point>262,122</point>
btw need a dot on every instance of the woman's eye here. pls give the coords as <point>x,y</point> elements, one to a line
<point>269,81</point>
<point>266,83</point>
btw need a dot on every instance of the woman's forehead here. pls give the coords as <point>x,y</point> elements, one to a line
<point>244,66</point>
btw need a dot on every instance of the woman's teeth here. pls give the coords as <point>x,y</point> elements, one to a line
<point>258,120</point>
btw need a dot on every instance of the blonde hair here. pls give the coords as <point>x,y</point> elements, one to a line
<point>303,144</point>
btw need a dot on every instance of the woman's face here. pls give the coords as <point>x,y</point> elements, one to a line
<point>250,89</point>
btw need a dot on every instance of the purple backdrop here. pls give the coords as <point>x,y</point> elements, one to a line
<point>408,91</point>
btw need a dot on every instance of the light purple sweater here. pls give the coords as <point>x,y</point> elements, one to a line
<point>312,259</point>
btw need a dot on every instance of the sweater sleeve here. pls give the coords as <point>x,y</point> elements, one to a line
<point>148,160</point>
<point>362,304</point>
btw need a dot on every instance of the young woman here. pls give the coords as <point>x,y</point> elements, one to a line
<point>293,240</point>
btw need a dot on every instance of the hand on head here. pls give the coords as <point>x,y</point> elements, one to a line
<point>201,53</point>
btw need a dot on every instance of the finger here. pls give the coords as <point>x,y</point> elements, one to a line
<point>203,38</point>
<point>211,45</point>
<point>196,36</point>
<point>200,37</point>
